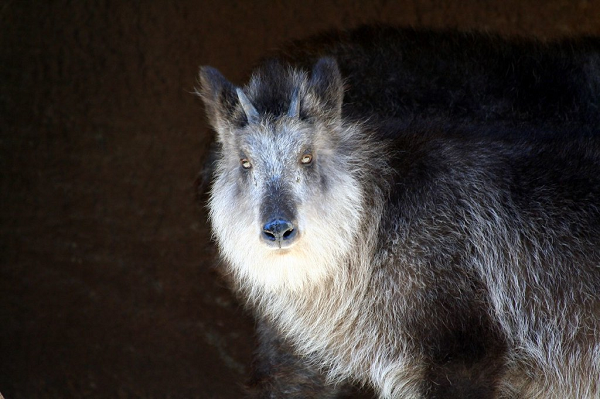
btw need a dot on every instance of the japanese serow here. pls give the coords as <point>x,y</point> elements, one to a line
<point>418,212</point>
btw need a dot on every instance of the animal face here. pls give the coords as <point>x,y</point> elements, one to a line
<point>285,203</point>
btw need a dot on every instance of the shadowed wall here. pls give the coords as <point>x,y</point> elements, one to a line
<point>107,280</point>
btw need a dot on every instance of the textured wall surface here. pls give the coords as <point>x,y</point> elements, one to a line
<point>107,280</point>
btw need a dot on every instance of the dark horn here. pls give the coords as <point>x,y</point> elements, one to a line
<point>249,110</point>
<point>294,110</point>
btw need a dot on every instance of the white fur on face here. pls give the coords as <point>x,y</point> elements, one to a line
<point>327,220</point>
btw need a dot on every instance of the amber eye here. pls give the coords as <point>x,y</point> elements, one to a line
<point>245,163</point>
<point>306,159</point>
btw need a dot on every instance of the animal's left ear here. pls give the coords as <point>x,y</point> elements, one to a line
<point>219,96</point>
<point>327,86</point>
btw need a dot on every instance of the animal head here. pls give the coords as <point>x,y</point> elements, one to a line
<point>285,202</point>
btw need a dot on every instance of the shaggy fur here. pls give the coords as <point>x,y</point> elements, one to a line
<point>448,226</point>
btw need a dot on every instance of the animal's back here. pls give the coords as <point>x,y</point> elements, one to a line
<point>471,77</point>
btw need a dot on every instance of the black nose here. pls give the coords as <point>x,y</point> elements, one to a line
<point>278,231</point>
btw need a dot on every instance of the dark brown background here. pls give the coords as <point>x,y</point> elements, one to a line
<point>106,282</point>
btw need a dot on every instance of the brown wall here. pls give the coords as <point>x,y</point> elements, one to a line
<point>106,280</point>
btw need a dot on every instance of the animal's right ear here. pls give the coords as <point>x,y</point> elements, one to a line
<point>219,97</point>
<point>327,85</point>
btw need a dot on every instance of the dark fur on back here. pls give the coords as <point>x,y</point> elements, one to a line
<point>449,221</point>
<point>470,77</point>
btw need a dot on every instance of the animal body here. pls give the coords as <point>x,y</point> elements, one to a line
<point>418,212</point>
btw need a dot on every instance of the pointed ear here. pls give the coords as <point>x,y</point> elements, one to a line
<point>327,86</point>
<point>219,97</point>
